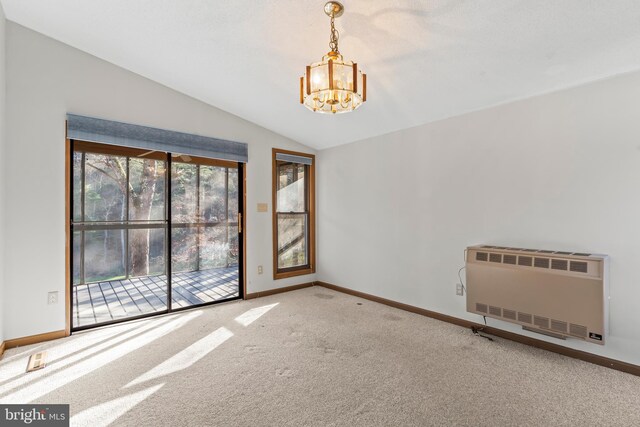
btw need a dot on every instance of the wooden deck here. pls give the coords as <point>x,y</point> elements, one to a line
<point>118,299</point>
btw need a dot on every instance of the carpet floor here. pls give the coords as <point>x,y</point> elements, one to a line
<point>313,357</point>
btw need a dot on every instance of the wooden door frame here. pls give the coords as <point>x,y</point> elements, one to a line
<point>68,211</point>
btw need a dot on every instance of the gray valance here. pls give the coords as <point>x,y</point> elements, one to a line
<point>147,138</point>
<point>294,159</point>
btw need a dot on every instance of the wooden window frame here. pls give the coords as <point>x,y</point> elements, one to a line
<point>310,268</point>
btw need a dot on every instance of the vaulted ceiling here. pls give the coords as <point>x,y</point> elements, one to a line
<point>425,60</point>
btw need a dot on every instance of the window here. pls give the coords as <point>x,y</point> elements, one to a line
<point>294,214</point>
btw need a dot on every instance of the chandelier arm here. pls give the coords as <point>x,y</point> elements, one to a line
<point>318,103</point>
<point>345,101</point>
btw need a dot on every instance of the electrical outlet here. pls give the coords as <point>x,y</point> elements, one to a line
<point>259,269</point>
<point>53,298</point>
<point>459,289</point>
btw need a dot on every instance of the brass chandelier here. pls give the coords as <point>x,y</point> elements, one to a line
<point>333,85</point>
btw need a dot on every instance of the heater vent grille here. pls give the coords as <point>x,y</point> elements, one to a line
<point>540,251</point>
<point>509,259</point>
<point>37,361</point>
<point>541,262</point>
<point>557,325</point>
<point>481,307</point>
<point>559,264</point>
<point>578,330</point>
<point>579,266</point>
<point>509,314</point>
<point>525,260</point>
<point>540,321</point>
<point>495,311</point>
<point>538,261</point>
<point>524,318</point>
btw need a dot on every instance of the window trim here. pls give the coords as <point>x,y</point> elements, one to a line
<point>311,232</point>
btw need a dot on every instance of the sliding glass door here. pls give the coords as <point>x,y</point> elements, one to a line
<point>152,233</point>
<point>204,229</point>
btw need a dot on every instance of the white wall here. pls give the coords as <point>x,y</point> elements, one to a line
<point>2,174</point>
<point>45,80</point>
<point>559,171</point>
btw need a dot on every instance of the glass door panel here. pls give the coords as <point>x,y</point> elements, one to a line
<point>205,242</point>
<point>119,238</point>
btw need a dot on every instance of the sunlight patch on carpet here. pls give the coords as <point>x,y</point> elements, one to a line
<point>97,347</point>
<point>106,413</point>
<point>49,383</point>
<point>254,314</point>
<point>13,366</point>
<point>186,357</point>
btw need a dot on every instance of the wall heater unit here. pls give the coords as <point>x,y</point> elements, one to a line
<point>561,294</point>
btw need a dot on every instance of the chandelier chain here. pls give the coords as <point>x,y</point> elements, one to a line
<point>333,41</point>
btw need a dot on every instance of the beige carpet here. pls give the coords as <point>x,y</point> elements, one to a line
<point>314,357</point>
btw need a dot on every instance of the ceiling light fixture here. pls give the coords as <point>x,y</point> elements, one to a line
<point>333,85</point>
